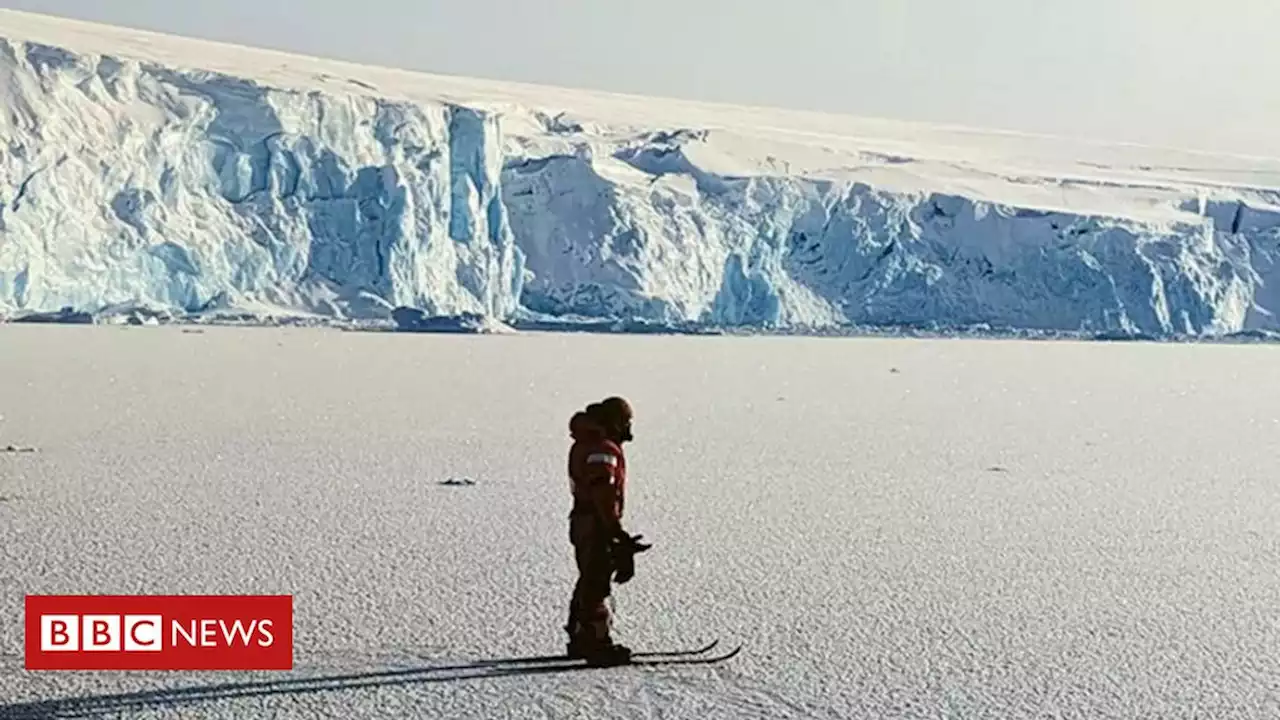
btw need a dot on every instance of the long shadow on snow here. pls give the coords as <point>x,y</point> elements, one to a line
<point>93,705</point>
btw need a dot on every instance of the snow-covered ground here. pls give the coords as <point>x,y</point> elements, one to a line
<point>896,529</point>
<point>188,176</point>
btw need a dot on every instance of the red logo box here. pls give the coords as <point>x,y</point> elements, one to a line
<point>159,632</point>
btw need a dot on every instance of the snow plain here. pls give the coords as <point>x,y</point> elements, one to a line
<point>895,528</point>
<point>190,176</point>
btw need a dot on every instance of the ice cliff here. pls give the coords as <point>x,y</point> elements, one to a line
<point>132,183</point>
<point>180,175</point>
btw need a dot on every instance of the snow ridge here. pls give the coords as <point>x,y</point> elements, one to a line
<point>126,181</point>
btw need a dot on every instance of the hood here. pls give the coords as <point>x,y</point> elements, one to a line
<point>582,427</point>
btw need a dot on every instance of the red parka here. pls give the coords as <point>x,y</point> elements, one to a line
<point>597,474</point>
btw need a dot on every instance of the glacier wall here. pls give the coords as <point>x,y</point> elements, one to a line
<point>786,251</point>
<point>128,183</point>
<point>131,183</point>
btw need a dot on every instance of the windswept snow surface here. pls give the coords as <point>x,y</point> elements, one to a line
<point>958,539</point>
<point>192,177</point>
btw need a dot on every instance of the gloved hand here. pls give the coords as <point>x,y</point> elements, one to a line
<point>622,554</point>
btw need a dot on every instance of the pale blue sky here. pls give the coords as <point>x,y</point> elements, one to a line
<point>1171,72</point>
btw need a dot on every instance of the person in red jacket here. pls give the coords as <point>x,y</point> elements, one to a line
<point>598,481</point>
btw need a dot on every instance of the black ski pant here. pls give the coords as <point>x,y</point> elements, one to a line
<point>587,609</point>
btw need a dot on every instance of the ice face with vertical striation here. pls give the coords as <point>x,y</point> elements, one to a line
<point>140,169</point>
<point>128,182</point>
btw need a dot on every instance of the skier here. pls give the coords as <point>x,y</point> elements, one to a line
<point>604,552</point>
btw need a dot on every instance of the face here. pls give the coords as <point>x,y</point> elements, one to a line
<point>624,431</point>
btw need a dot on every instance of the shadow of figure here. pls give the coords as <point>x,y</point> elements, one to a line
<point>94,705</point>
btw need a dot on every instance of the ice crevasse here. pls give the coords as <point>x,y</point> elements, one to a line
<point>129,178</point>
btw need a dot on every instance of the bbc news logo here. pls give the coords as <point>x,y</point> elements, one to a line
<point>159,632</point>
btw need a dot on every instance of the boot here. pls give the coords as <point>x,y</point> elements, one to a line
<point>597,653</point>
<point>609,655</point>
<point>576,648</point>
<point>581,641</point>
<point>597,650</point>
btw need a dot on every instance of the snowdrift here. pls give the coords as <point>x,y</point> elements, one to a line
<point>185,178</point>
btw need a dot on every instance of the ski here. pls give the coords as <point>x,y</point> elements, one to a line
<point>683,659</point>
<point>648,656</point>
<point>649,659</point>
<point>677,653</point>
